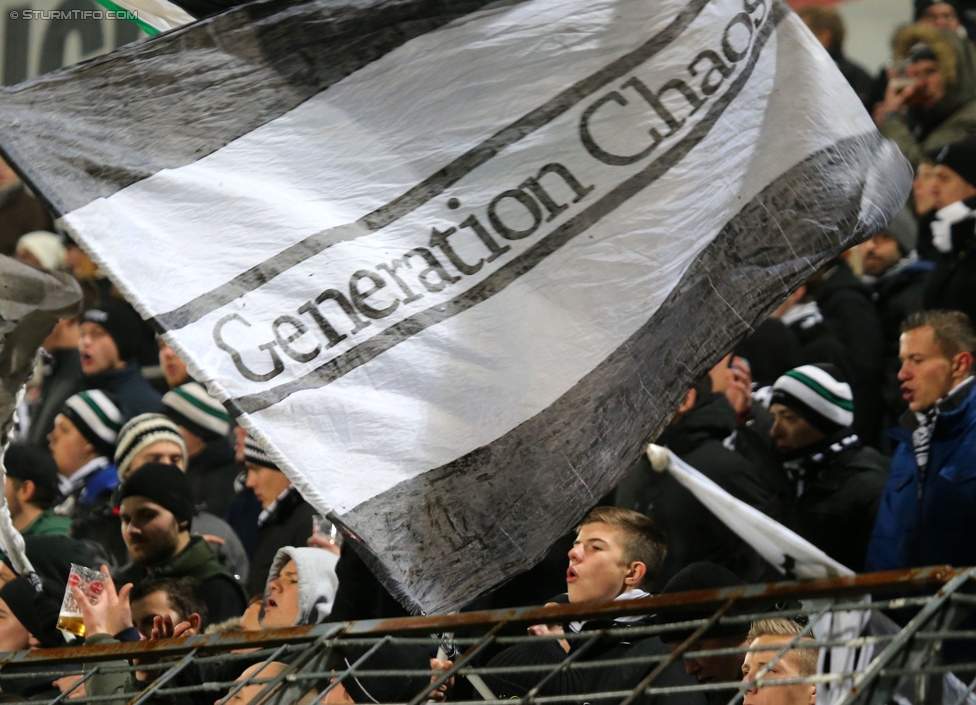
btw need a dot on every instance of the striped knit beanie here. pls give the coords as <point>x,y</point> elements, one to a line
<point>141,432</point>
<point>818,393</point>
<point>254,453</point>
<point>97,417</point>
<point>191,407</point>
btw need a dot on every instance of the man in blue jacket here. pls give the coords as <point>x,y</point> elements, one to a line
<point>926,515</point>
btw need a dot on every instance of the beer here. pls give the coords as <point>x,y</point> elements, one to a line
<point>72,623</point>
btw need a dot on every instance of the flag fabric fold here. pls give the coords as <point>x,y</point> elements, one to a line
<point>454,263</point>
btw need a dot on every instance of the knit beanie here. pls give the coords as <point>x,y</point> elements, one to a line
<point>121,322</point>
<point>960,156</point>
<point>904,230</point>
<point>818,393</point>
<point>24,461</point>
<point>139,433</point>
<point>45,247</point>
<point>97,417</point>
<point>191,407</point>
<point>166,485</point>
<point>37,611</point>
<point>254,453</point>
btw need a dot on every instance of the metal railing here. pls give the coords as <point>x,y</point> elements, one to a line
<point>864,656</point>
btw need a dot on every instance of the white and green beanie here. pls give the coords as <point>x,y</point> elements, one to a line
<point>818,393</point>
<point>97,417</point>
<point>191,407</point>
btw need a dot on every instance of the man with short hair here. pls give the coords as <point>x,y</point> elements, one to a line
<point>797,662</point>
<point>205,426</point>
<point>285,519</point>
<point>838,481</point>
<point>31,491</point>
<point>155,508</point>
<point>110,336</point>
<point>926,515</point>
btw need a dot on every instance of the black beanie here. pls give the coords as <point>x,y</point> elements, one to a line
<point>388,657</point>
<point>960,156</point>
<point>166,485</point>
<point>121,322</point>
<point>703,576</point>
<point>27,462</point>
<point>37,611</point>
<point>922,5</point>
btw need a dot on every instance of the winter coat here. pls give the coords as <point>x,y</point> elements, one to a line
<point>896,296</point>
<point>694,533</point>
<point>231,554</point>
<point>840,499</point>
<point>219,590</point>
<point>922,130</point>
<point>289,524</point>
<point>136,396</point>
<point>929,519</point>
<point>212,472</point>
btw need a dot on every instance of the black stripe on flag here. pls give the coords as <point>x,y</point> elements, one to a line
<point>361,354</point>
<point>260,274</point>
<point>171,100</point>
<point>534,482</point>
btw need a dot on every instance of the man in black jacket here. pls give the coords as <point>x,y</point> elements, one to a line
<point>156,507</point>
<point>838,481</point>
<point>286,518</point>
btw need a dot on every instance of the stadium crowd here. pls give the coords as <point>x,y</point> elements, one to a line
<point>849,416</point>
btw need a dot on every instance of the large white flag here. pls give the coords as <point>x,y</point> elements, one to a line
<point>454,262</point>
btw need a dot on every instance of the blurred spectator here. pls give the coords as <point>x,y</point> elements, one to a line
<point>848,309</point>
<point>61,377</point>
<point>41,249</point>
<point>205,426</point>
<point>924,202</point>
<point>838,481</point>
<point>934,102</point>
<point>952,284</point>
<point>32,490</point>
<point>156,507</point>
<point>108,347</point>
<point>771,349</point>
<point>95,285</point>
<point>926,515</point>
<point>828,27</point>
<point>895,275</point>
<point>286,518</point>
<point>20,212</point>
<point>174,369</point>
<point>941,14</point>
<point>816,340</point>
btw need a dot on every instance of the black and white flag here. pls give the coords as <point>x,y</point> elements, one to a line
<point>454,262</point>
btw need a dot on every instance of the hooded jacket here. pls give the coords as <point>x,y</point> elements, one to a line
<point>317,581</point>
<point>953,117</point>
